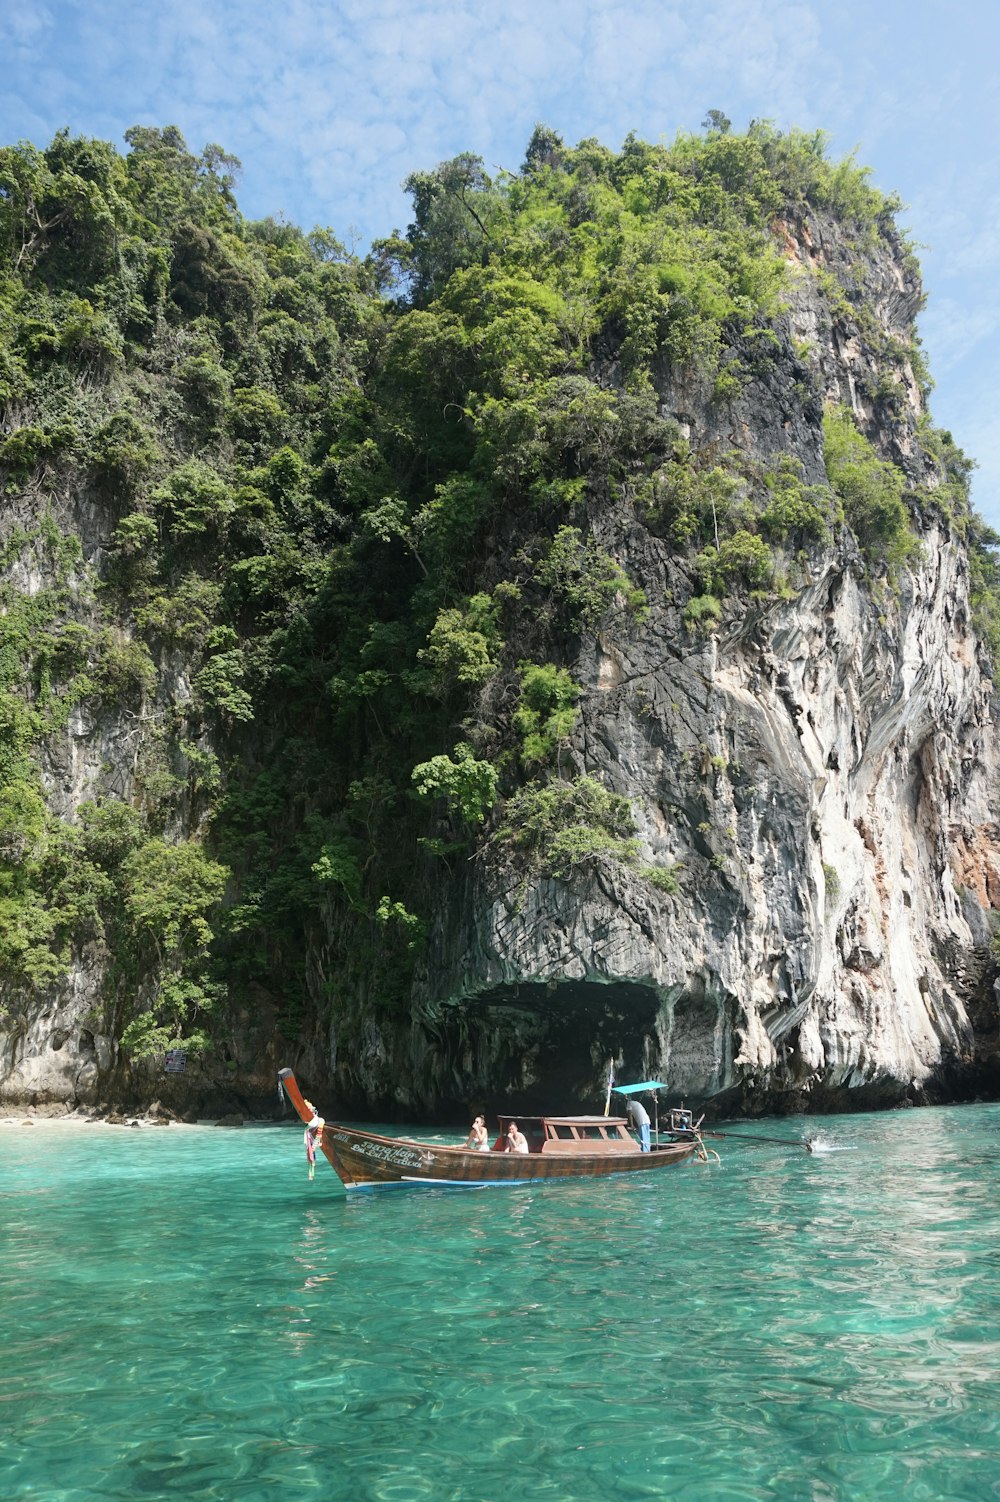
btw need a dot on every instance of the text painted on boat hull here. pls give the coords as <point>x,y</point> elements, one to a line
<point>380,1152</point>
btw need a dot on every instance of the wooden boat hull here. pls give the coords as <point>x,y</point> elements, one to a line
<point>367,1160</point>
<point>364,1159</point>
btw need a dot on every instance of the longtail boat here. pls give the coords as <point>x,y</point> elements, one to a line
<point>559,1147</point>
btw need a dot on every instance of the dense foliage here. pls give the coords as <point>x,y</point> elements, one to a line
<point>316,536</point>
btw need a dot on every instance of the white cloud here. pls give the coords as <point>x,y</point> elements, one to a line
<point>27,27</point>
<point>955,326</point>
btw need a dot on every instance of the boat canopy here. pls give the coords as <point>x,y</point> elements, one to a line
<point>635,1089</point>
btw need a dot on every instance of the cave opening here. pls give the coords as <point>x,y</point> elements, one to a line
<point>548,1045</point>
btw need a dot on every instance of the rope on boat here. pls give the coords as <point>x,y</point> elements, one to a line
<point>750,1137</point>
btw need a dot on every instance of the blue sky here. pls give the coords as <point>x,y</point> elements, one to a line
<point>330,103</point>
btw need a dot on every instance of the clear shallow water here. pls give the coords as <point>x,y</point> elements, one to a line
<point>183,1315</point>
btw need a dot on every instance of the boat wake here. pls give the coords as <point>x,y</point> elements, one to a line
<point>821,1144</point>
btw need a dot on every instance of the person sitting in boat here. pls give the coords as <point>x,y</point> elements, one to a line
<point>639,1117</point>
<point>479,1137</point>
<point>517,1142</point>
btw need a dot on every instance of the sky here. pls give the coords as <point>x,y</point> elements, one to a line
<point>330,104</point>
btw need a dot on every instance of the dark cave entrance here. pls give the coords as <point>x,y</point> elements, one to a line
<point>547,1046</point>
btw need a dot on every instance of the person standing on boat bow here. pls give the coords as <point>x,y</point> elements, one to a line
<point>517,1142</point>
<point>640,1120</point>
<point>479,1137</point>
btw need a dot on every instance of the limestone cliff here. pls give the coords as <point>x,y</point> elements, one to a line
<point>286,537</point>
<point>823,767</point>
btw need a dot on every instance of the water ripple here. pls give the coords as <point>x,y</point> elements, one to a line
<point>185,1316</point>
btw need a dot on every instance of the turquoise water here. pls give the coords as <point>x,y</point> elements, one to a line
<point>183,1315</point>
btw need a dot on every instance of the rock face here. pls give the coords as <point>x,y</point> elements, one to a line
<point>822,766</point>
<point>58,1056</point>
<point>824,779</point>
<point>819,767</point>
